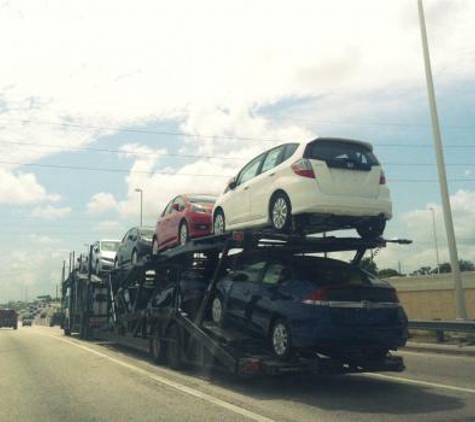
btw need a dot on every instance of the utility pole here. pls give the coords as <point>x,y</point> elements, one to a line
<point>63,272</point>
<point>141,205</point>
<point>444,189</point>
<point>435,240</point>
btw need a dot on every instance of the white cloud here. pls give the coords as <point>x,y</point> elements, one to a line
<point>44,240</point>
<point>418,224</point>
<point>101,202</point>
<point>20,188</point>
<point>112,228</point>
<point>170,64</point>
<point>50,213</point>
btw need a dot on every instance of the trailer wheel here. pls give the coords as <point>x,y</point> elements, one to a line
<point>156,346</point>
<point>174,347</point>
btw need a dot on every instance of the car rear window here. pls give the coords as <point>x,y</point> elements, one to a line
<point>341,154</point>
<point>202,199</point>
<point>330,273</point>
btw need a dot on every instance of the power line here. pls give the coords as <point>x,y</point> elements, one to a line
<point>67,167</point>
<point>152,172</point>
<point>118,151</point>
<point>173,133</point>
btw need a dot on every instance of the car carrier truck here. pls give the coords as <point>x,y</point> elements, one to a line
<point>141,306</point>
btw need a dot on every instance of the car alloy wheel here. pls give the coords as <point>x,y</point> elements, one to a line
<point>280,340</point>
<point>280,213</point>
<point>218,224</point>
<point>134,258</point>
<point>217,310</point>
<point>183,233</point>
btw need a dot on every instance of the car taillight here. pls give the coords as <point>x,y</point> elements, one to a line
<point>394,296</point>
<point>382,178</point>
<point>303,167</point>
<point>317,297</point>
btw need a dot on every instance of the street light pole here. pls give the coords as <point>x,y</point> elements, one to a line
<point>141,205</point>
<point>435,240</point>
<point>444,189</point>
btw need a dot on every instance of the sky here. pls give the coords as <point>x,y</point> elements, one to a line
<point>98,99</point>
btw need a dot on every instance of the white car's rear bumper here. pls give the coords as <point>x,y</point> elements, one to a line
<point>305,197</point>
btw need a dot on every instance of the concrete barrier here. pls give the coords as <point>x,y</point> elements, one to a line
<point>433,297</point>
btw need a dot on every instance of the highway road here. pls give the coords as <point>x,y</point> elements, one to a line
<point>45,376</point>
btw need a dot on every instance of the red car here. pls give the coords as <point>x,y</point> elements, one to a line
<point>185,217</point>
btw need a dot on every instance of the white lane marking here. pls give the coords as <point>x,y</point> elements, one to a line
<point>440,355</point>
<point>180,387</point>
<point>424,383</point>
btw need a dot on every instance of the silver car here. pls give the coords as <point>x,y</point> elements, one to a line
<point>103,255</point>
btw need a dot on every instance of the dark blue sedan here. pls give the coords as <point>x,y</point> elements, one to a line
<point>308,305</point>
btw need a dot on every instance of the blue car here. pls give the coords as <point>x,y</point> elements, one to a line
<point>306,305</point>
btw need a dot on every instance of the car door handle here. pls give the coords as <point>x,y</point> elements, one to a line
<point>272,174</point>
<point>246,188</point>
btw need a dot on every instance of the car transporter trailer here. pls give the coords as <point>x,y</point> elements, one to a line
<point>171,334</point>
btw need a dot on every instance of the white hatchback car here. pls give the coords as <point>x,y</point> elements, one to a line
<point>315,186</point>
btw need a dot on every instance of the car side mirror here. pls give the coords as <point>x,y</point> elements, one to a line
<point>232,183</point>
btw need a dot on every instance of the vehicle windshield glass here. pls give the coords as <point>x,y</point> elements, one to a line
<point>110,246</point>
<point>202,199</point>
<point>331,151</point>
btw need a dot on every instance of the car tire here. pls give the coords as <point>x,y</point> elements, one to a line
<point>155,247</point>
<point>183,233</point>
<point>134,258</point>
<point>217,310</point>
<point>372,229</point>
<point>280,339</point>
<point>174,347</point>
<point>280,213</point>
<point>219,222</point>
<point>156,346</point>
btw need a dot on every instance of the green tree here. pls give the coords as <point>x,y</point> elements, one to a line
<point>422,271</point>
<point>466,265</point>
<point>369,265</point>
<point>388,272</point>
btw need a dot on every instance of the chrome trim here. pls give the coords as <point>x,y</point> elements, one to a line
<point>353,304</point>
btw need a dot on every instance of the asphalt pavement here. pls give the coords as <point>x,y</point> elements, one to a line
<point>45,376</point>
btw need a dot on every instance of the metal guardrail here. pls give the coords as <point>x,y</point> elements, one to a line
<point>441,326</point>
<point>457,326</point>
